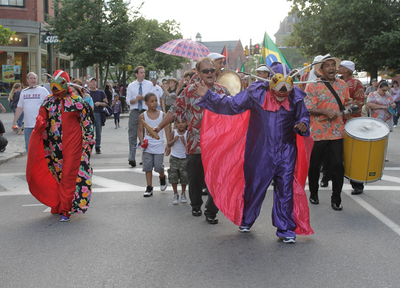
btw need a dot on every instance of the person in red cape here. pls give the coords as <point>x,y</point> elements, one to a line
<point>58,170</point>
<point>244,152</point>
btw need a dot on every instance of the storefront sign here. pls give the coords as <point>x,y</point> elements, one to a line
<point>49,39</point>
<point>11,72</point>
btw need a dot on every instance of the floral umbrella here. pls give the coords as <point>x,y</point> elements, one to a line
<point>184,48</point>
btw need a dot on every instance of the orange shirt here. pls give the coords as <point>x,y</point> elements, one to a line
<point>319,97</point>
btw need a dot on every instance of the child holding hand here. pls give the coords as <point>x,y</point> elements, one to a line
<point>177,161</point>
<point>153,155</point>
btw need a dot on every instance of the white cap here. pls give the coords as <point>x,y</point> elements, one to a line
<point>263,68</point>
<point>348,64</point>
<point>215,56</point>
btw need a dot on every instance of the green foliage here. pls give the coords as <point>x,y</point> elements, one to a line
<point>364,31</point>
<point>293,56</point>
<point>93,31</point>
<point>5,35</point>
<point>150,35</point>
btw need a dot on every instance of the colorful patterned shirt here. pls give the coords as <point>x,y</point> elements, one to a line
<point>319,97</point>
<point>381,114</point>
<point>186,103</point>
<point>356,91</point>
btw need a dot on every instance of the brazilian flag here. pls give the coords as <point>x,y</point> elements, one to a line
<point>271,53</point>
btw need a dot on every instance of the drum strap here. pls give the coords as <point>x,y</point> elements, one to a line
<point>334,93</point>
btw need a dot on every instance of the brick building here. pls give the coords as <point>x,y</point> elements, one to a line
<point>27,51</point>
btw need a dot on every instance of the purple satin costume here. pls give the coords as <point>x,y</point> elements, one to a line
<point>270,151</point>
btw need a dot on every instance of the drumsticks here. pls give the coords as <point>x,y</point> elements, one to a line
<point>150,130</point>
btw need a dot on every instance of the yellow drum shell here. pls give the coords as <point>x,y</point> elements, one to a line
<point>364,157</point>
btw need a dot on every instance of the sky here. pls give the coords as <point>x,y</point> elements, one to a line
<point>217,22</point>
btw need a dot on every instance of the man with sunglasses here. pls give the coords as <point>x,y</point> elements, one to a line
<point>186,104</point>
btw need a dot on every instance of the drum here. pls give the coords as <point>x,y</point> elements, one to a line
<point>365,144</point>
<point>231,80</point>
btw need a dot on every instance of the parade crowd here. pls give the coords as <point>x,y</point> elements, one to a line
<point>228,147</point>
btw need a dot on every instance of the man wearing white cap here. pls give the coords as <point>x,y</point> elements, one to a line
<point>263,71</point>
<point>327,127</point>
<point>218,61</point>
<point>356,90</point>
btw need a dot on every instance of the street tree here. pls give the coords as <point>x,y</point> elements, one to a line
<point>5,35</point>
<point>93,32</point>
<point>364,31</point>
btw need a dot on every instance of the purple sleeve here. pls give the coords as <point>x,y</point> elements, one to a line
<point>302,115</point>
<point>227,105</point>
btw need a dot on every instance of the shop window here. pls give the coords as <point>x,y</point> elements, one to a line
<point>18,40</point>
<point>13,3</point>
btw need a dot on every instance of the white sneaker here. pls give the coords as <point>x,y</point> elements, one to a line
<point>244,229</point>
<point>176,199</point>
<point>394,126</point>
<point>183,198</point>
<point>148,192</point>
<point>163,183</point>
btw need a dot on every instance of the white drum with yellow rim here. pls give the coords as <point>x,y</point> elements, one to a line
<point>365,144</point>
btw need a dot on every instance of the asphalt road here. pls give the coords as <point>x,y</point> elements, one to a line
<point>126,240</point>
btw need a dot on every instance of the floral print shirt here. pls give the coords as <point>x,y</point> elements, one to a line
<point>380,114</point>
<point>356,90</point>
<point>186,104</point>
<point>319,97</point>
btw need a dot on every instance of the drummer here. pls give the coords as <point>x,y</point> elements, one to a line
<point>356,90</point>
<point>327,128</point>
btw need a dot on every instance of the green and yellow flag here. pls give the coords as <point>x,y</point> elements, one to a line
<point>271,53</point>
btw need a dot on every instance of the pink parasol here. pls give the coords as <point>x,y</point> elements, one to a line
<point>184,48</point>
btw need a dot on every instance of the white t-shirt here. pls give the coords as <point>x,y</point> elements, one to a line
<point>30,100</point>
<point>155,146</point>
<point>178,149</point>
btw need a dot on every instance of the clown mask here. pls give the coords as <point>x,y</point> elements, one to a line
<point>59,84</point>
<point>281,86</point>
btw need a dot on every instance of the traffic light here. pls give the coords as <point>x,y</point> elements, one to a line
<point>256,49</point>
<point>246,51</point>
<point>251,49</point>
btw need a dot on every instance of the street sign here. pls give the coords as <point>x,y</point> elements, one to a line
<point>49,39</point>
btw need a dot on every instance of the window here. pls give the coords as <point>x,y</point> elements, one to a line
<point>45,10</point>
<point>12,3</point>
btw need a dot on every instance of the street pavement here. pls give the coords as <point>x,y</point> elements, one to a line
<point>126,240</point>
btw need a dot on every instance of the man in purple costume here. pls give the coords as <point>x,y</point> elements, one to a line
<point>277,113</point>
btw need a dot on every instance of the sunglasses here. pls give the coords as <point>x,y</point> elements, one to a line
<point>384,90</point>
<point>206,71</point>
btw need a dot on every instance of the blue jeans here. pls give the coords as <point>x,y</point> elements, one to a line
<point>27,133</point>
<point>97,123</point>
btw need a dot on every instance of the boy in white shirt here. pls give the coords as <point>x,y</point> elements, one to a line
<point>177,161</point>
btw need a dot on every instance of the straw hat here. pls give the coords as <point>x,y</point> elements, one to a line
<point>174,80</point>
<point>326,57</point>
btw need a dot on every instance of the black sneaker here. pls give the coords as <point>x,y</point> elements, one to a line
<point>163,183</point>
<point>132,163</point>
<point>148,192</point>
<point>98,150</point>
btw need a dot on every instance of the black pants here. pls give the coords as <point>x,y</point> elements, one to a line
<point>196,181</point>
<point>357,185</point>
<point>335,149</point>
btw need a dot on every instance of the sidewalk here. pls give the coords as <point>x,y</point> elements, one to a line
<point>16,143</point>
